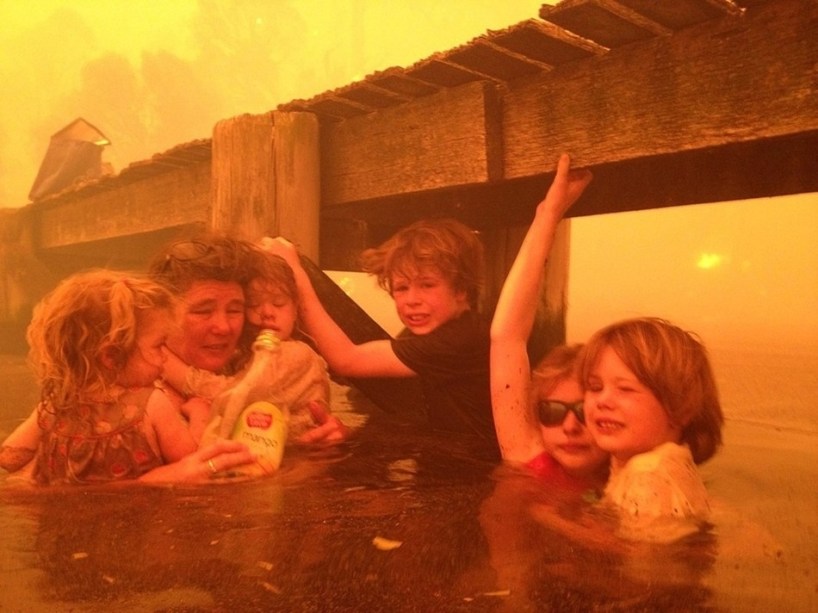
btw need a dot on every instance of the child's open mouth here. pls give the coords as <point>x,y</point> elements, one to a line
<point>606,426</point>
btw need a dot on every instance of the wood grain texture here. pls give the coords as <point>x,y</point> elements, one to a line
<point>445,139</point>
<point>725,81</point>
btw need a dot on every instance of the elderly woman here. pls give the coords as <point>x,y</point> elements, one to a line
<point>212,276</point>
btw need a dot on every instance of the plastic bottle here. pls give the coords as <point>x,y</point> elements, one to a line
<point>249,416</point>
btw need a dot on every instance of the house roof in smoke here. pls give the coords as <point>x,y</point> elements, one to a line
<point>571,30</point>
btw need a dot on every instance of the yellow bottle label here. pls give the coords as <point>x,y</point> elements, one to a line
<point>263,428</point>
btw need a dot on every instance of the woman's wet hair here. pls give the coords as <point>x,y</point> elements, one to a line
<point>673,364</point>
<point>274,272</point>
<point>207,257</point>
<point>447,245</point>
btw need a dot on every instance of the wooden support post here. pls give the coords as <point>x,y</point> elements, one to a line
<point>296,154</point>
<point>266,178</point>
<point>243,176</point>
<point>502,246</point>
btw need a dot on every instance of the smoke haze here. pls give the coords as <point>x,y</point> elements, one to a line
<point>152,75</point>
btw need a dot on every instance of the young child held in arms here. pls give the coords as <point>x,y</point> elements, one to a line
<point>433,270</point>
<point>296,377</point>
<point>538,415</point>
<point>96,349</point>
<point>651,402</point>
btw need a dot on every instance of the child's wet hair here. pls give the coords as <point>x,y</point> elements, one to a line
<point>560,364</point>
<point>86,315</point>
<point>673,364</point>
<point>275,273</point>
<point>447,245</point>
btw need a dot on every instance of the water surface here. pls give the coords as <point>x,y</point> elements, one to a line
<point>398,519</point>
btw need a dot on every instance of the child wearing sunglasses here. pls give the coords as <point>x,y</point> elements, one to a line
<point>538,416</point>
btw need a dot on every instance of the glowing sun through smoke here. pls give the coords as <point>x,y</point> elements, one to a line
<point>708,261</point>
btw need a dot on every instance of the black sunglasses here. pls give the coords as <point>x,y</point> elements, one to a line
<point>553,412</point>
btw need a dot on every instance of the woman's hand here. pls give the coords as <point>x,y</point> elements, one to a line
<point>199,467</point>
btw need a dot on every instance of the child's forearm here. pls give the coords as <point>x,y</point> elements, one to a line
<point>175,371</point>
<point>332,342</point>
<point>20,446</point>
<point>197,411</point>
<point>13,459</point>
<point>190,381</point>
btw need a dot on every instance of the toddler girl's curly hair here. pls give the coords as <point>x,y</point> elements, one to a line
<point>85,316</point>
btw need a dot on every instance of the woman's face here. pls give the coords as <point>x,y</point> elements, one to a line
<point>569,442</point>
<point>211,320</point>
<point>624,416</point>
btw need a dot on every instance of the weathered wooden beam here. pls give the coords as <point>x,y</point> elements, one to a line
<point>297,165</point>
<point>175,198</point>
<point>725,81</point>
<point>243,175</point>
<point>444,139</point>
<point>266,177</point>
<point>722,83</point>
<point>755,169</point>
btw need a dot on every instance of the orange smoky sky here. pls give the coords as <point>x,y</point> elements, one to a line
<point>151,75</point>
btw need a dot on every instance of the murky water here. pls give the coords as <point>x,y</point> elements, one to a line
<point>398,520</point>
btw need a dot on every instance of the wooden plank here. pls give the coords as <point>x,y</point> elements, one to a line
<point>243,176</point>
<point>445,139</point>
<point>681,13</point>
<point>297,202</point>
<point>617,22</point>
<point>165,200</point>
<point>606,24</point>
<point>726,81</point>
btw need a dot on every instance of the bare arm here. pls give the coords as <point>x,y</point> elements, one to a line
<point>517,428</point>
<point>190,381</point>
<point>197,412</point>
<point>370,359</point>
<point>175,438</point>
<point>20,446</point>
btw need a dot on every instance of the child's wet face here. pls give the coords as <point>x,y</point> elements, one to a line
<point>570,443</point>
<point>426,299</point>
<point>623,415</point>
<point>144,364</point>
<point>271,308</point>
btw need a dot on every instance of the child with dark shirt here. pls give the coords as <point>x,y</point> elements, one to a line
<point>434,270</point>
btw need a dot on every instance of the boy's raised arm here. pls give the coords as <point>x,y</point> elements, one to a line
<point>370,359</point>
<point>516,425</point>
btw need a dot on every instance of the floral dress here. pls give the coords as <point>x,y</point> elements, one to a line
<point>103,442</point>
